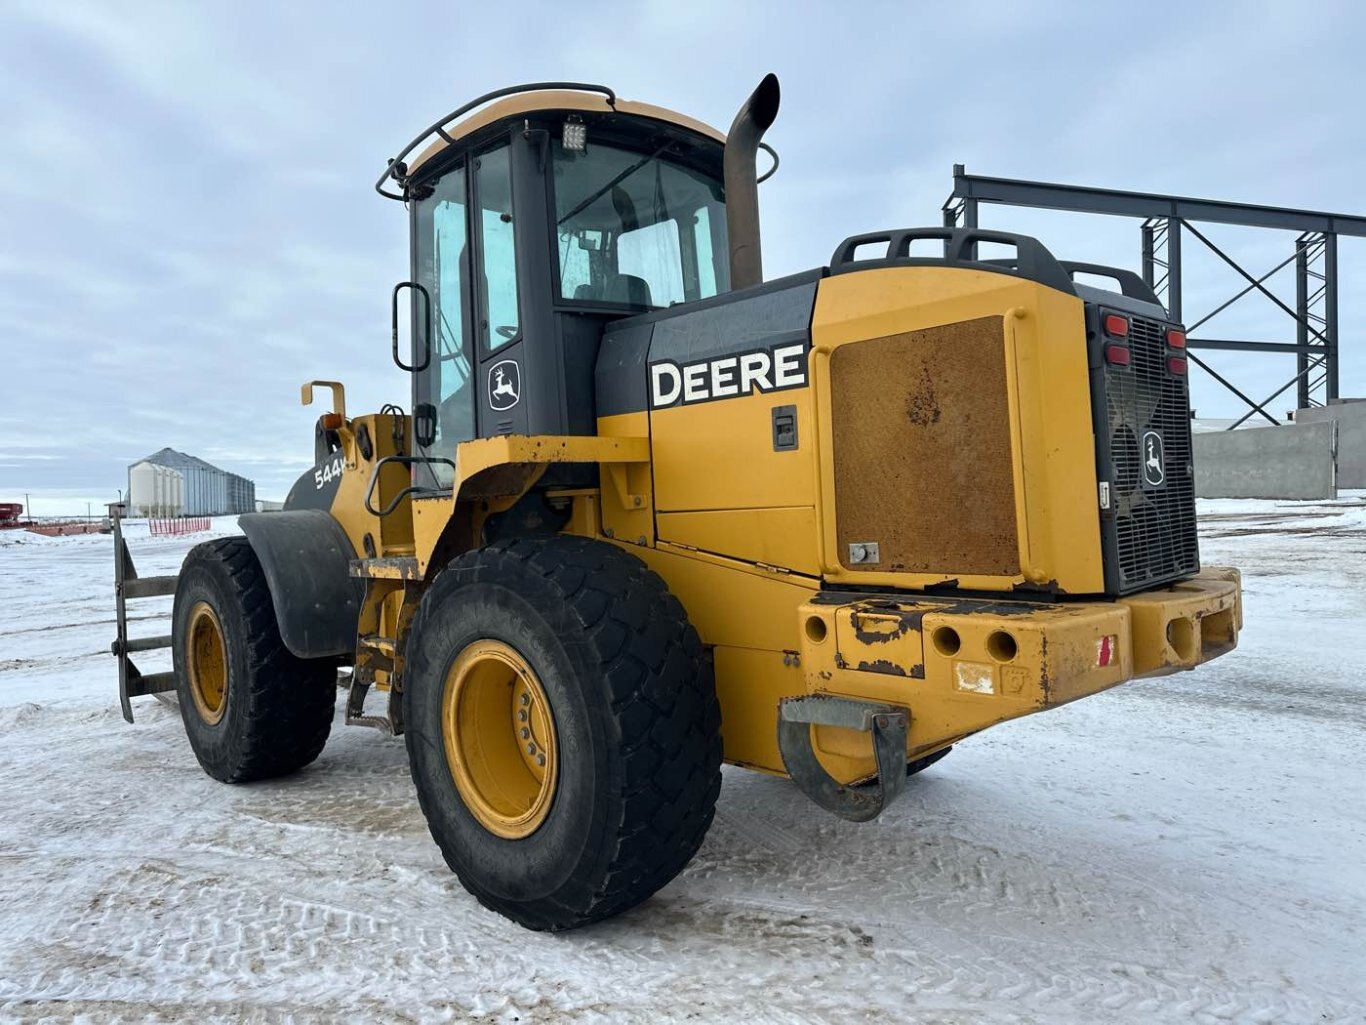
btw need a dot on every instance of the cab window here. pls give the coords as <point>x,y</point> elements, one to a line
<point>498,322</point>
<point>441,253</point>
<point>637,229</point>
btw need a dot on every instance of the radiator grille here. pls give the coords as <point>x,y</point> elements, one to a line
<point>1154,526</point>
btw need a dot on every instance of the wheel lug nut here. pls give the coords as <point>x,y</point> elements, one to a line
<point>540,759</point>
<point>526,698</point>
<point>525,733</point>
<point>531,749</point>
<point>521,715</point>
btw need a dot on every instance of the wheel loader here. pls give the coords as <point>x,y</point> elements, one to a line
<point>650,512</point>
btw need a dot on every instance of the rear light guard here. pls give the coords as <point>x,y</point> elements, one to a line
<point>1117,350</point>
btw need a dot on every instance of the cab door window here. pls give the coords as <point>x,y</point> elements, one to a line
<point>442,256</point>
<point>498,319</point>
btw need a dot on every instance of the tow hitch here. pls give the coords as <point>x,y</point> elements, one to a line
<point>887,724</point>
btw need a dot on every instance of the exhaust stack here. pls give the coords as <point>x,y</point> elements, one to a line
<point>742,187</point>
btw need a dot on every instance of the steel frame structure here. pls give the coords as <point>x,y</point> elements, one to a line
<point>1165,220</point>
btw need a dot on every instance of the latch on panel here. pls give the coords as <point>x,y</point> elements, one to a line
<point>784,428</point>
<point>866,553</point>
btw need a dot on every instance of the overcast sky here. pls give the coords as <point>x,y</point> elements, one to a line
<point>188,231</point>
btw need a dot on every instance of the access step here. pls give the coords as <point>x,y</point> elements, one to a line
<point>386,645</point>
<point>361,681</point>
<point>390,567</point>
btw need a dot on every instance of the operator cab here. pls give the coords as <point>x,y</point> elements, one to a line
<point>534,223</point>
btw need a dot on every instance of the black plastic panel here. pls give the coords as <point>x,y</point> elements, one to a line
<point>733,322</point>
<point>307,557</point>
<point>1148,533</point>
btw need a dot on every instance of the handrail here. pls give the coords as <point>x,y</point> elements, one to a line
<point>398,170</point>
<point>1130,284</point>
<point>402,461</point>
<point>772,170</point>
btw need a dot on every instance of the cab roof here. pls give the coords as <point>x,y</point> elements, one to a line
<point>524,101</point>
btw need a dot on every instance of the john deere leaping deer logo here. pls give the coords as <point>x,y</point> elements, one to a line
<point>1154,458</point>
<point>505,384</point>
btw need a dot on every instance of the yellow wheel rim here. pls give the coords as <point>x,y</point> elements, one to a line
<point>207,659</point>
<point>499,735</point>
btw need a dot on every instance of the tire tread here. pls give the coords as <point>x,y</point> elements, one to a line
<point>287,716</point>
<point>650,667</point>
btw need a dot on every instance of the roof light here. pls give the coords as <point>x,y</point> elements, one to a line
<point>1176,364</point>
<point>1116,325</point>
<point>575,136</point>
<point>1118,355</point>
<point>1176,338</point>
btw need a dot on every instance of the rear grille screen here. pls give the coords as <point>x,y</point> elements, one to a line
<point>921,433</point>
<point>1153,537</point>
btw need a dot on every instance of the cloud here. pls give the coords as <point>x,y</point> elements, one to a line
<point>190,231</point>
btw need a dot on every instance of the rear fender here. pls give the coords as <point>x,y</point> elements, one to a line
<point>493,474</point>
<point>306,557</point>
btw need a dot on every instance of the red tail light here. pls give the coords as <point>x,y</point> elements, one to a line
<point>1118,355</point>
<point>1176,339</point>
<point>1116,325</point>
<point>1176,364</point>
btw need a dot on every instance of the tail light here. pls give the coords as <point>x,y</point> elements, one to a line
<point>1118,355</point>
<point>1176,338</point>
<point>1116,326</point>
<point>1176,364</point>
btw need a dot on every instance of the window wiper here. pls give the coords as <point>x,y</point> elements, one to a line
<point>611,184</point>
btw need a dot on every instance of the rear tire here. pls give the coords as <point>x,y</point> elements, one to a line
<point>632,738</point>
<point>921,764</point>
<point>915,766</point>
<point>251,709</point>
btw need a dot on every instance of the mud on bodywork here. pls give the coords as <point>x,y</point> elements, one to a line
<point>961,665</point>
<point>878,628</point>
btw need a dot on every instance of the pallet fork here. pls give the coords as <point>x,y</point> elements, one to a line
<point>128,585</point>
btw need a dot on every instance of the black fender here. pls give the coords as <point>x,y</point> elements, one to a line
<point>307,557</point>
<point>317,488</point>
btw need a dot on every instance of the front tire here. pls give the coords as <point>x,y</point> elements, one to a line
<point>251,708</point>
<point>612,788</point>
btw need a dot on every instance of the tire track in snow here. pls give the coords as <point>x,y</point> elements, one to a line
<point>136,890</point>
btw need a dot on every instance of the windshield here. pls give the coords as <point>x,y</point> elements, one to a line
<point>637,228</point>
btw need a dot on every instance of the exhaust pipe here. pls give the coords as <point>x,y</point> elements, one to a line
<point>742,187</point>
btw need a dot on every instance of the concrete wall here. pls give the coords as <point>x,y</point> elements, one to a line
<point>1351,420</point>
<point>1293,461</point>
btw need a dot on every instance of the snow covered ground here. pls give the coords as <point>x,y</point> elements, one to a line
<point>1183,849</point>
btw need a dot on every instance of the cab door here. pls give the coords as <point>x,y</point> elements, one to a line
<point>503,379</point>
<point>443,381</point>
